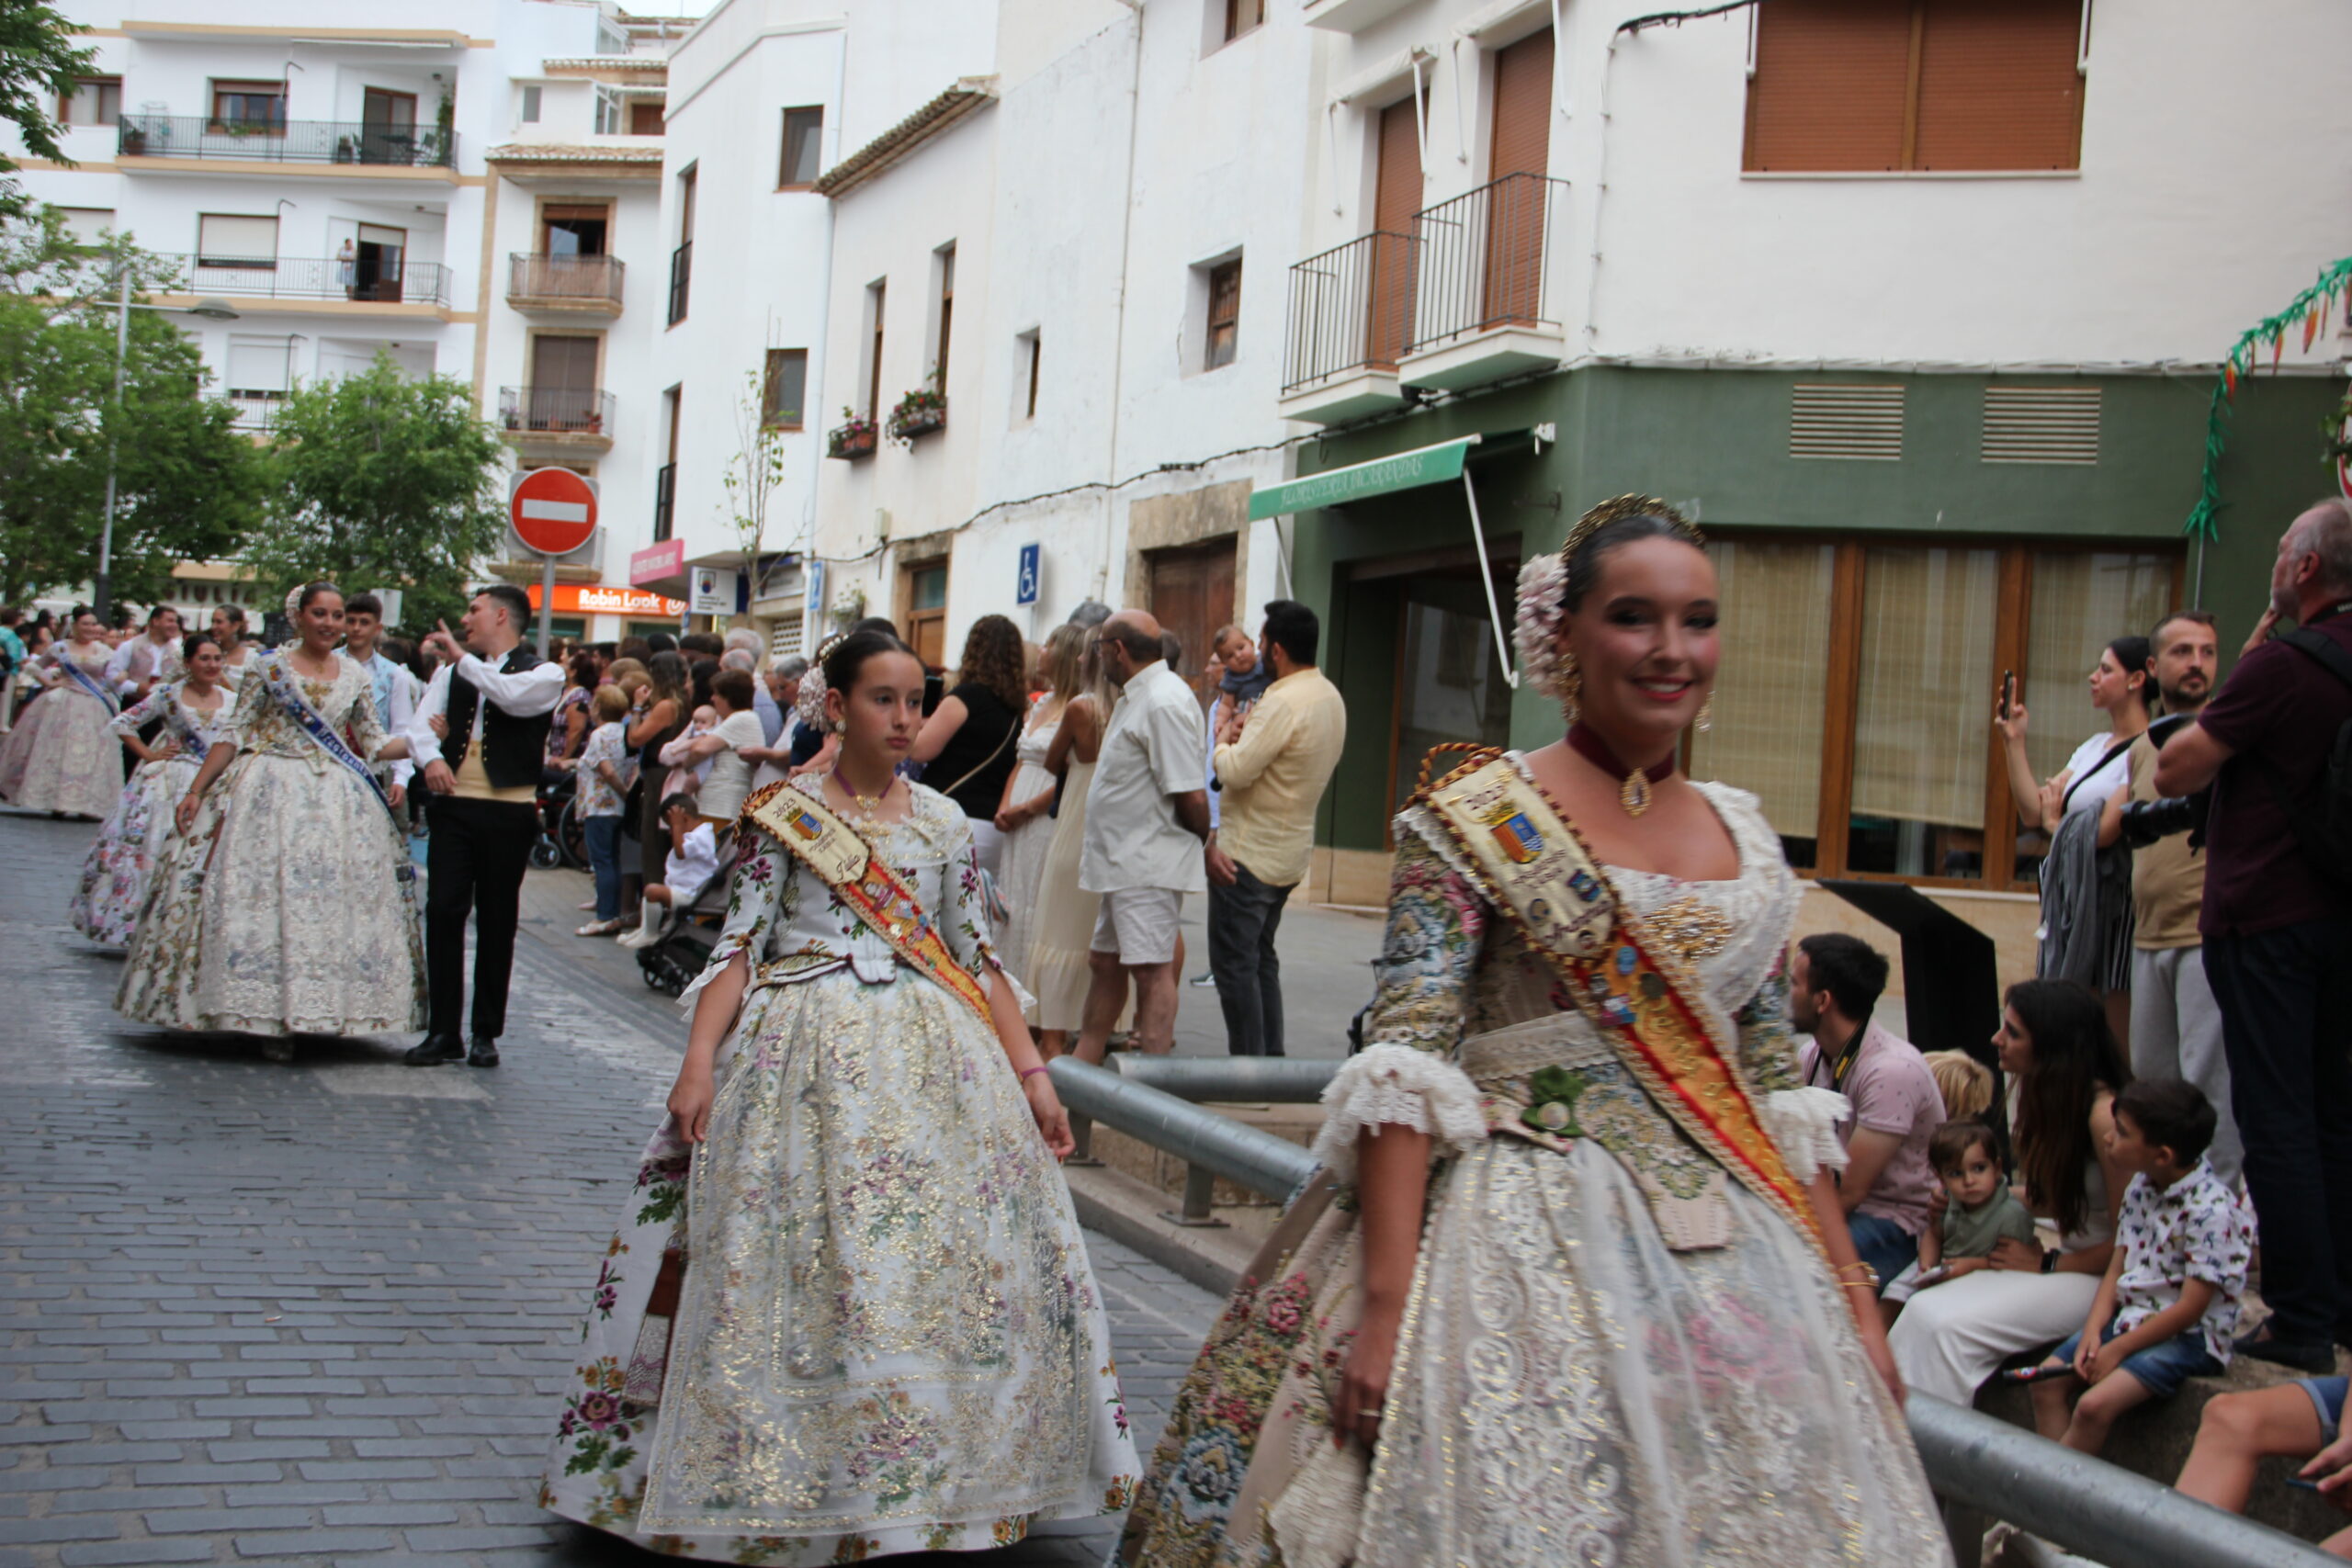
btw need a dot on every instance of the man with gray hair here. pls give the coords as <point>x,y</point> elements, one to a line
<point>2277,930</point>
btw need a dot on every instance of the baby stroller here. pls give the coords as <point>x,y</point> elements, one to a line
<point>671,965</point>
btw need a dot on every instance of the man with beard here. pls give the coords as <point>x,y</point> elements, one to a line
<point>2175,1025</point>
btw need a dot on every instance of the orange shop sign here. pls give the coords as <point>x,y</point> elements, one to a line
<point>601,599</point>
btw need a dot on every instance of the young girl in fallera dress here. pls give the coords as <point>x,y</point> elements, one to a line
<point>115,874</point>
<point>60,757</point>
<point>848,1311</point>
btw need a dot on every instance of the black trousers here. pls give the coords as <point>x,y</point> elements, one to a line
<point>474,862</point>
<point>1243,920</point>
<point>2286,995</point>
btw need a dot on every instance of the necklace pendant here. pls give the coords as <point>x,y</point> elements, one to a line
<point>1633,794</point>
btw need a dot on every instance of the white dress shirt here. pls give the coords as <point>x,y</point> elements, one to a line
<point>1152,749</point>
<point>161,663</point>
<point>523,693</point>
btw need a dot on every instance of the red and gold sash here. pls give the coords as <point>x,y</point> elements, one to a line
<point>847,864</point>
<point>1530,862</point>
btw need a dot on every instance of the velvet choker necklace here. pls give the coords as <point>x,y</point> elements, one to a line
<point>1633,792</point>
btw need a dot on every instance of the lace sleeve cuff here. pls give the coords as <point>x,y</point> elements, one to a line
<point>1804,1122</point>
<point>994,970</point>
<point>1396,1086</point>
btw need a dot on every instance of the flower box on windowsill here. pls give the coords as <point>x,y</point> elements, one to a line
<point>854,440</point>
<point>907,424</point>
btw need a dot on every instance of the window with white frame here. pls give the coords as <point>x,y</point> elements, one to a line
<point>610,119</point>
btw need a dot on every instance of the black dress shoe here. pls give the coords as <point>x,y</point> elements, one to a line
<point>434,1050</point>
<point>484,1052</point>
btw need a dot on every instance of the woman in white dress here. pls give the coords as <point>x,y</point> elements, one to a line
<point>1586,1292</point>
<point>1063,927</point>
<point>287,907</point>
<point>61,757</point>
<point>848,1311</point>
<point>121,864</point>
<point>1029,794</point>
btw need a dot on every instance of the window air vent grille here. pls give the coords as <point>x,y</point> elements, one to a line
<point>2041,424</point>
<point>1847,424</point>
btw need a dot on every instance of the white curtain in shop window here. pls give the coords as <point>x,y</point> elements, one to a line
<point>1773,680</point>
<point>2082,600</point>
<point>1922,723</point>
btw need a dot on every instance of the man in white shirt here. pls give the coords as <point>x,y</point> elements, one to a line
<point>1146,816</point>
<point>363,628</point>
<point>153,655</point>
<point>484,813</point>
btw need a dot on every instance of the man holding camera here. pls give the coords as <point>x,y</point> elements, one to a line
<point>2276,920</point>
<point>2176,1024</point>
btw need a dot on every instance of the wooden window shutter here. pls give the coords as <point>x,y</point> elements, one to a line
<point>1998,87</point>
<point>1832,80</point>
<point>1397,197</point>
<point>1522,107</point>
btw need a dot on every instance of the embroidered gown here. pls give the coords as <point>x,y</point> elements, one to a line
<point>119,865</point>
<point>859,1318</point>
<point>1612,1353</point>
<point>289,908</point>
<point>61,756</point>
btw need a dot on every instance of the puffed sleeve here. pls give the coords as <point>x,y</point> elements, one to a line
<point>157,703</point>
<point>1802,1121</point>
<point>1406,1074</point>
<point>760,899</point>
<point>367,725</point>
<point>964,916</point>
<point>253,697</point>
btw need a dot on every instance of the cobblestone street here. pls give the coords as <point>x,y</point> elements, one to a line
<point>320,1311</point>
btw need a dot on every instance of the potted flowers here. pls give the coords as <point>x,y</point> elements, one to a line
<point>854,437</point>
<point>920,413</point>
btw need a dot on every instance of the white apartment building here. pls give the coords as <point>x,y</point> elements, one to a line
<point>465,191</point>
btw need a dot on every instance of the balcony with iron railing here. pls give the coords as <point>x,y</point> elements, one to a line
<point>557,416</point>
<point>587,284</point>
<point>665,500</point>
<point>1351,319</point>
<point>285,141</point>
<point>391,281</point>
<point>1485,305</point>
<point>682,269</point>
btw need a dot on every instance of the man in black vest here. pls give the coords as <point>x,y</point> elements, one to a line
<point>483,814</point>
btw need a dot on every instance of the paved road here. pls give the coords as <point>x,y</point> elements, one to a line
<point>319,1312</point>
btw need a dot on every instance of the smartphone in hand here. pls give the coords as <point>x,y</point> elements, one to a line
<point>2009,690</point>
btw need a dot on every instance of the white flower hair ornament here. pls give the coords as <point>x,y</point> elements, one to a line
<point>1543,584</point>
<point>810,702</point>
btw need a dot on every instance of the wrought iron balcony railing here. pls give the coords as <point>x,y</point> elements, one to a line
<point>1485,260</point>
<point>555,411</point>
<point>587,279</point>
<point>1350,309</point>
<point>284,140</point>
<point>393,281</point>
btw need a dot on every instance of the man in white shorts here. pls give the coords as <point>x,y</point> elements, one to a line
<point>1147,814</point>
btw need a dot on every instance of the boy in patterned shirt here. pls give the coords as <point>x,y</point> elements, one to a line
<point>2168,1307</point>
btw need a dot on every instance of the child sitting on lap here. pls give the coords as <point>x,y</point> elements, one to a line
<point>1979,1207</point>
<point>2168,1306</point>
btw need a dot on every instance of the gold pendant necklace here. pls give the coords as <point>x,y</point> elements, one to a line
<point>1633,794</point>
<point>867,805</point>
<point>1636,787</point>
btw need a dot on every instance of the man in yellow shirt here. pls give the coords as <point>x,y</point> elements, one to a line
<point>1273,760</point>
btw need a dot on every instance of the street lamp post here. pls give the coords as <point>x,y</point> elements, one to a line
<point>210,310</point>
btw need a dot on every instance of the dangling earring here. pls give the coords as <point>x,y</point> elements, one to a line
<point>1570,687</point>
<point>841,726</point>
<point>1707,714</point>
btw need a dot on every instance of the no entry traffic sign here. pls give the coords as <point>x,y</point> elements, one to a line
<point>553,510</point>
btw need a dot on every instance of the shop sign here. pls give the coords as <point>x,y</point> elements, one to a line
<point>600,598</point>
<point>1359,481</point>
<point>712,591</point>
<point>657,562</point>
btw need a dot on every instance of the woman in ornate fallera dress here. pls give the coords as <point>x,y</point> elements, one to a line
<point>286,906</point>
<point>848,1311</point>
<point>1575,1286</point>
<point>122,862</point>
<point>60,757</point>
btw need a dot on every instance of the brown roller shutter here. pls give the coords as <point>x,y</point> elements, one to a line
<point>1395,197</point>
<point>1832,78</point>
<point>1514,280</point>
<point>1523,108</point>
<point>1998,85</point>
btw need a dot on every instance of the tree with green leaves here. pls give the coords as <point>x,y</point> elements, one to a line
<point>752,477</point>
<point>377,481</point>
<point>38,66</point>
<point>186,481</point>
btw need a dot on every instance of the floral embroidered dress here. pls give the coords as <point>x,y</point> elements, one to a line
<point>289,908</point>
<point>115,874</point>
<point>858,1318</point>
<point>61,756</point>
<point>1612,1353</point>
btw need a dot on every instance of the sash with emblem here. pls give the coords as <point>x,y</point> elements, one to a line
<point>1532,866</point>
<point>844,862</point>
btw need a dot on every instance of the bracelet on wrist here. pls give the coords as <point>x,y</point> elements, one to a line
<point>1028,1073</point>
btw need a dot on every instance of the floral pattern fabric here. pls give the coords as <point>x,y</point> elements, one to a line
<point>859,1318</point>
<point>1573,1381</point>
<point>115,873</point>
<point>2195,1229</point>
<point>61,756</point>
<point>606,743</point>
<point>289,906</point>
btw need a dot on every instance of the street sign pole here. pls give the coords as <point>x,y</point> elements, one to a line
<point>547,601</point>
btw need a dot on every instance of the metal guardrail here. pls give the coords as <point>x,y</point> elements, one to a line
<point>284,141</point>
<point>2089,1506</point>
<point>2083,1505</point>
<point>1484,259</point>
<point>555,411</point>
<point>1350,309</point>
<point>317,277</point>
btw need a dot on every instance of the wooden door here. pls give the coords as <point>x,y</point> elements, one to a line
<point>1191,595</point>
<point>1397,197</point>
<point>378,269</point>
<point>922,590</point>
<point>387,127</point>
<point>563,382</point>
<point>1519,157</point>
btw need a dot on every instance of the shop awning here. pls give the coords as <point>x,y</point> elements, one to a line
<point>1358,482</point>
